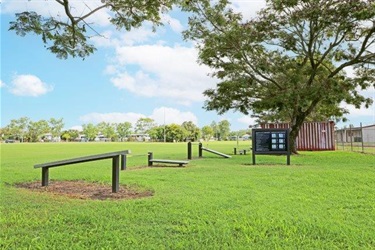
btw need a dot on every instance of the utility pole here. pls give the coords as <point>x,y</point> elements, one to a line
<point>164,125</point>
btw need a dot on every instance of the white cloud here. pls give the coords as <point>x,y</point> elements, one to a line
<point>361,115</point>
<point>77,127</point>
<point>136,36</point>
<point>29,85</point>
<point>104,40</point>
<point>159,115</point>
<point>248,8</point>
<point>124,81</point>
<point>171,115</point>
<point>111,38</point>
<point>174,23</point>
<point>165,72</point>
<point>2,84</point>
<point>111,117</point>
<point>368,93</point>
<point>52,8</point>
<point>360,112</point>
<point>370,112</point>
<point>349,71</point>
<point>247,120</point>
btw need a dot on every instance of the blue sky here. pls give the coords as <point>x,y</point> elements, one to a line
<point>132,75</point>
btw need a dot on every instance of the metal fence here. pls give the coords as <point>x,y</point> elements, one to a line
<point>356,138</point>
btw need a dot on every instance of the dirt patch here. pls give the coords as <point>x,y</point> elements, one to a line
<point>86,190</point>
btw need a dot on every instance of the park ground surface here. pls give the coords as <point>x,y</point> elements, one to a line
<point>323,200</point>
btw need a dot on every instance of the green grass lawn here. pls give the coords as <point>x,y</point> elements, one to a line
<point>323,200</point>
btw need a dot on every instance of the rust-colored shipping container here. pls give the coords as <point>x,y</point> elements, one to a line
<point>312,136</point>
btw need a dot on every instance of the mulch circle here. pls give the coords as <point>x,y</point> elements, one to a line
<point>86,190</point>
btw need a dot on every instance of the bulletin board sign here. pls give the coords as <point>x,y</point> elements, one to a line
<point>271,142</point>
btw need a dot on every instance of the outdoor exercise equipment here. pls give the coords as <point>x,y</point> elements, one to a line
<point>201,149</point>
<point>151,160</point>
<point>118,158</point>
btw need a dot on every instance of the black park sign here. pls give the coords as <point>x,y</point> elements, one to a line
<point>271,141</point>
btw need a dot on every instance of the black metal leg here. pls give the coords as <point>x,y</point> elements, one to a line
<point>123,162</point>
<point>189,151</point>
<point>150,157</point>
<point>115,174</point>
<point>45,176</point>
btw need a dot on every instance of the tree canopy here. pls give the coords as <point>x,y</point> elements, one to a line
<point>207,132</point>
<point>144,124</point>
<point>289,62</point>
<point>69,34</point>
<point>123,129</point>
<point>224,129</point>
<point>26,129</point>
<point>192,131</point>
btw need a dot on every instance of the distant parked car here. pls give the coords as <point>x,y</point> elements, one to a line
<point>9,141</point>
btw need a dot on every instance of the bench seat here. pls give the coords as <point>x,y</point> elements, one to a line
<point>180,163</point>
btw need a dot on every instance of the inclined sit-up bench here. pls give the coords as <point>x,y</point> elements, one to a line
<point>115,156</point>
<point>200,151</point>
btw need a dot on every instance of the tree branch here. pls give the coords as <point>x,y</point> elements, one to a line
<point>68,13</point>
<point>92,12</point>
<point>358,57</point>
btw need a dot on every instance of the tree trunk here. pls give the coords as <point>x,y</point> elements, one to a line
<point>295,127</point>
<point>292,141</point>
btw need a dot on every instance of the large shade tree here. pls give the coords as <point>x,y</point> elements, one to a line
<point>18,128</point>
<point>90,131</point>
<point>144,124</point>
<point>289,62</point>
<point>175,133</point>
<point>157,133</point>
<point>207,132</point>
<point>56,125</point>
<point>224,129</point>
<point>108,130</point>
<point>36,130</point>
<point>192,131</point>
<point>69,33</point>
<point>123,130</point>
<point>69,135</point>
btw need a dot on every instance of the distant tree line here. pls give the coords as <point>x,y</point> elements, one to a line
<point>26,130</point>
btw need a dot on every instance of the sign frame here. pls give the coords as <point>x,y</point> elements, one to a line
<point>271,141</point>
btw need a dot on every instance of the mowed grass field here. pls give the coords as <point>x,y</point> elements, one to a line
<point>323,200</point>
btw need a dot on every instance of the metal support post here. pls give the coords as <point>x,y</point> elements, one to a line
<point>115,174</point>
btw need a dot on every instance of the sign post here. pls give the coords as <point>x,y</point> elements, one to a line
<point>271,142</point>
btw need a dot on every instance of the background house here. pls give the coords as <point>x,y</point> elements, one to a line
<point>356,134</point>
